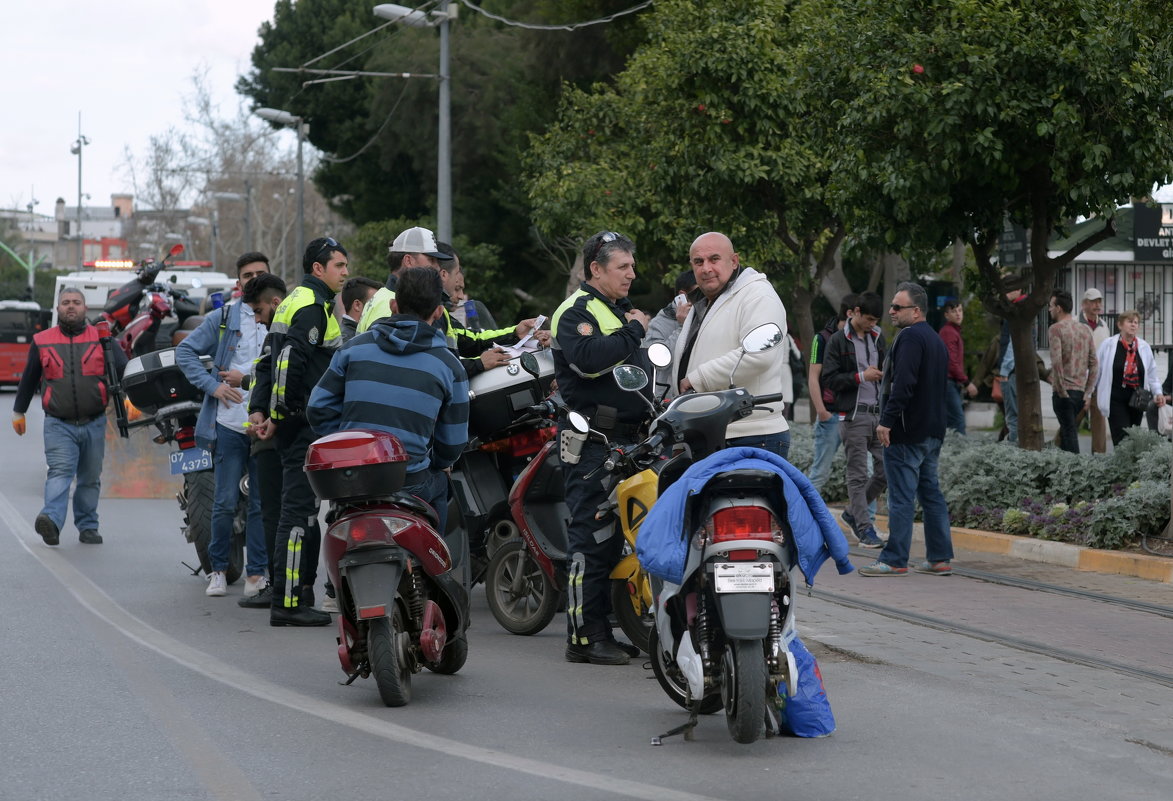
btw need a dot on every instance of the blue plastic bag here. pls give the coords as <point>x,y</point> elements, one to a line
<point>808,713</point>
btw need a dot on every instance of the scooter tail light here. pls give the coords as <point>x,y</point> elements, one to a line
<point>368,530</point>
<point>743,523</point>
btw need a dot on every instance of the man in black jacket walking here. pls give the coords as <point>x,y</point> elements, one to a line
<point>911,428</point>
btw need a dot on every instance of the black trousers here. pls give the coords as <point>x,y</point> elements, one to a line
<point>299,538</point>
<point>269,480</point>
<point>593,550</point>
<point>1122,417</point>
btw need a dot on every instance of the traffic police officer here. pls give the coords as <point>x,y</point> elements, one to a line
<point>303,337</point>
<point>596,329</point>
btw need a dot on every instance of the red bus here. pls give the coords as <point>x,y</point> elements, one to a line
<point>19,320</point>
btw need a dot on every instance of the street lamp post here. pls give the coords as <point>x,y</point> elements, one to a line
<point>285,118</point>
<point>440,19</point>
<point>75,149</point>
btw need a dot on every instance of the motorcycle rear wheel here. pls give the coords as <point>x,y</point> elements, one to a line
<point>638,627</point>
<point>672,681</point>
<point>520,596</point>
<point>199,490</point>
<point>391,671</point>
<point>743,689</point>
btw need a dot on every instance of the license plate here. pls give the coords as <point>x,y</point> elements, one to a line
<point>190,461</point>
<point>743,577</point>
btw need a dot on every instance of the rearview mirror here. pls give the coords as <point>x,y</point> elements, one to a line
<point>578,422</point>
<point>529,363</point>
<point>762,338</point>
<point>659,355</point>
<point>630,378</point>
<point>176,250</point>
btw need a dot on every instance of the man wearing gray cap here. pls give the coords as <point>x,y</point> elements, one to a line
<point>1092,308</point>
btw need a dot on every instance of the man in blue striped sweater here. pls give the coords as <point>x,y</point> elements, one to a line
<point>400,377</point>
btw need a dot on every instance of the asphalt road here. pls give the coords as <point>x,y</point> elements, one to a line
<point>120,680</point>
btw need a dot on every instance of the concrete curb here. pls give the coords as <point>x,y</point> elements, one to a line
<point>1076,557</point>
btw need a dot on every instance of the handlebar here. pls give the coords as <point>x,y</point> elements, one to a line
<point>774,397</point>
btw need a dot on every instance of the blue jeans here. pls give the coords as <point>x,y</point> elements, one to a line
<point>912,476</point>
<point>954,411</point>
<point>1065,411</point>
<point>74,450</point>
<point>774,443</point>
<point>1010,407</point>
<point>826,443</point>
<point>232,459</point>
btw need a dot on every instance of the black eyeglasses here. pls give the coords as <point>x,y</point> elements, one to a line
<point>328,247</point>
<point>605,238</point>
<point>898,307</point>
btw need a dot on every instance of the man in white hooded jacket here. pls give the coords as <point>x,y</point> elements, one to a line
<point>734,300</point>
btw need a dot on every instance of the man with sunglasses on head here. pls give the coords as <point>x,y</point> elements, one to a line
<point>302,339</point>
<point>595,330</point>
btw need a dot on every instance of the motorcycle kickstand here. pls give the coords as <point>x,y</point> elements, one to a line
<point>685,728</point>
<point>350,679</point>
<point>195,571</point>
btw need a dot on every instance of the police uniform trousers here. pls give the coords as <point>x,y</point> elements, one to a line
<point>299,538</point>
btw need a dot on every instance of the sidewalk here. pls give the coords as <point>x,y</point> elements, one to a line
<point>1075,557</point>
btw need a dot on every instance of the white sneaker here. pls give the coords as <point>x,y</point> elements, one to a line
<point>217,584</point>
<point>330,605</point>
<point>253,586</point>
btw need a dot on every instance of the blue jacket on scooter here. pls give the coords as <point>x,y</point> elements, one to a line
<point>662,545</point>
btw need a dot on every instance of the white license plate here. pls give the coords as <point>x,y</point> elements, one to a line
<point>743,577</point>
<point>191,460</point>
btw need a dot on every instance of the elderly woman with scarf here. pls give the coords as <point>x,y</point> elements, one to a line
<point>1126,366</point>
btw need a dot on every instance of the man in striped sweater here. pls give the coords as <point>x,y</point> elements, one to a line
<point>400,377</point>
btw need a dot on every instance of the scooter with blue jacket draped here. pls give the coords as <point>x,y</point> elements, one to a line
<point>720,542</point>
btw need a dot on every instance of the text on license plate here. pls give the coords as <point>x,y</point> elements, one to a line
<point>190,461</point>
<point>743,577</point>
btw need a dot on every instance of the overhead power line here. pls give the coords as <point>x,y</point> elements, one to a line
<point>567,27</point>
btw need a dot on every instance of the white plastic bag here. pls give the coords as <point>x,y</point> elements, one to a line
<point>1165,419</point>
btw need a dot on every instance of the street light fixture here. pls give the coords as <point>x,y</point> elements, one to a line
<point>440,19</point>
<point>285,118</point>
<point>75,149</point>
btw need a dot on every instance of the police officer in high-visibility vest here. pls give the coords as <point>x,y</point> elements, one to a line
<point>303,337</point>
<point>596,329</point>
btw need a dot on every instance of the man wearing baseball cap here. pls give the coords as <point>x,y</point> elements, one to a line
<point>417,247</point>
<point>1092,308</point>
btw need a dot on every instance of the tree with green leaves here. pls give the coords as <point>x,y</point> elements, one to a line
<point>943,119</point>
<point>697,134</point>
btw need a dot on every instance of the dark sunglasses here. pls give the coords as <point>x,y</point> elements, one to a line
<point>328,247</point>
<point>898,307</point>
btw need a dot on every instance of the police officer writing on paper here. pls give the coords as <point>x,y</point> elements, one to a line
<point>595,330</point>
<point>69,364</point>
<point>302,339</point>
<point>735,300</point>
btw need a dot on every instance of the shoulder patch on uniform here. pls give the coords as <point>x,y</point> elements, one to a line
<point>586,329</point>
<point>313,335</point>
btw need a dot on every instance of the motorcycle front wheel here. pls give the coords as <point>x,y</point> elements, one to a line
<point>636,624</point>
<point>743,689</point>
<point>672,681</point>
<point>521,597</point>
<point>389,664</point>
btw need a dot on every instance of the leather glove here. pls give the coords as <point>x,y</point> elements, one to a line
<point>18,424</point>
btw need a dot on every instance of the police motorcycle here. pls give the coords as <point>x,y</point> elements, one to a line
<point>509,422</point>
<point>720,548</point>
<point>156,386</point>
<point>402,588</point>
<point>525,582</point>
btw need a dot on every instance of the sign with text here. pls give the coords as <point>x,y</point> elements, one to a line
<point>1013,245</point>
<point>1153,231</point>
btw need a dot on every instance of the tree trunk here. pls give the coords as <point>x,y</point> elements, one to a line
<point>1026,376</point>
<point>800,319</point>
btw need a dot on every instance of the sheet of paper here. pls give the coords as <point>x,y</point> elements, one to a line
<point>527,344</point>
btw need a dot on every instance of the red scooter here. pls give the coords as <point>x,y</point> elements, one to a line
<point>137,310</point>
<point>402,597</point>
